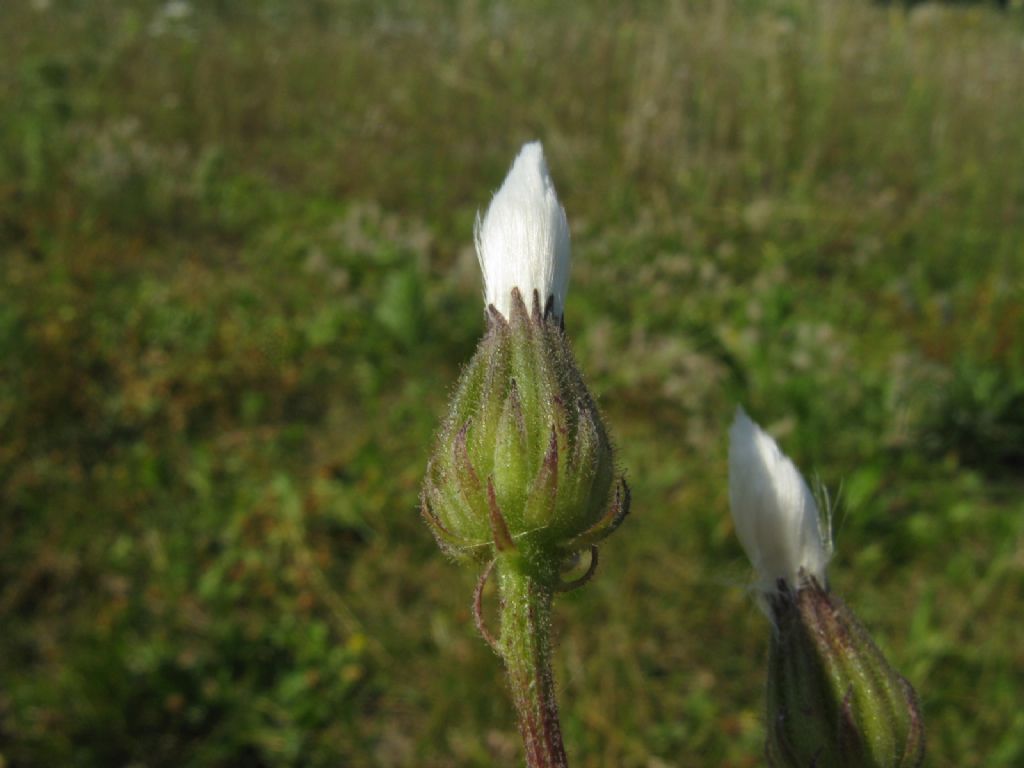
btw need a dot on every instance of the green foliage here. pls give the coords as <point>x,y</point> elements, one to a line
<point>237,287</point>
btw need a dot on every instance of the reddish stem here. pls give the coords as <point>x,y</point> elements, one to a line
<point>526,649</point>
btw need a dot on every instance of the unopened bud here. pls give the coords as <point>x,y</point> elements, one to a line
<point>523,461</point>
<point>833,699</point>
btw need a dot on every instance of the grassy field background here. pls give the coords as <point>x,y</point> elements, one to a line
<point>237,285</point>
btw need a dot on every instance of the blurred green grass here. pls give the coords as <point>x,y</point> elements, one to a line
<point>237,285</point>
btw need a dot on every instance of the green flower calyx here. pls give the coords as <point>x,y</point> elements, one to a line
<point>833,699</point>
<point>523,462</point>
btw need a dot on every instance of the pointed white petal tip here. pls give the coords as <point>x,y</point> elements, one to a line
<point>775,515</point>
<point>523,240</point>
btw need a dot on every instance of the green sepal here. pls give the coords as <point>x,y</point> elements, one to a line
<point>542,500</point>
<point>511,466</point>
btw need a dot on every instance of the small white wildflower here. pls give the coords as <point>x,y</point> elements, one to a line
<point>523,240</point>
<point>775,515</point>
<point>177,9</point>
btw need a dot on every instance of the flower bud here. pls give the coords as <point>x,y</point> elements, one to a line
<point>833,699</point>
<point>523,461</point>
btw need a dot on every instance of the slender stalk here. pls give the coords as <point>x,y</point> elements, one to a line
<point>525,645</point>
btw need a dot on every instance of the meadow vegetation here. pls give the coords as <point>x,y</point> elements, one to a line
<point>237,284</point>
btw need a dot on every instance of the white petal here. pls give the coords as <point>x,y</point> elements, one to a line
<point>523,240</point>
<point>776,518</point>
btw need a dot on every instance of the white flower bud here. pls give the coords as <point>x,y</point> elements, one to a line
<point>523,240</point>
<point>775,515</point>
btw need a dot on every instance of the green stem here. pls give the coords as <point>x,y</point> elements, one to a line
<point>525,645</point>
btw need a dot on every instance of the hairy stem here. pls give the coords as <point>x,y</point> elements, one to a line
<point>525,645</point>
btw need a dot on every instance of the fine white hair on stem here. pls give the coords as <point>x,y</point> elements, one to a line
<point>776,518</point>
<point>523,239</point>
